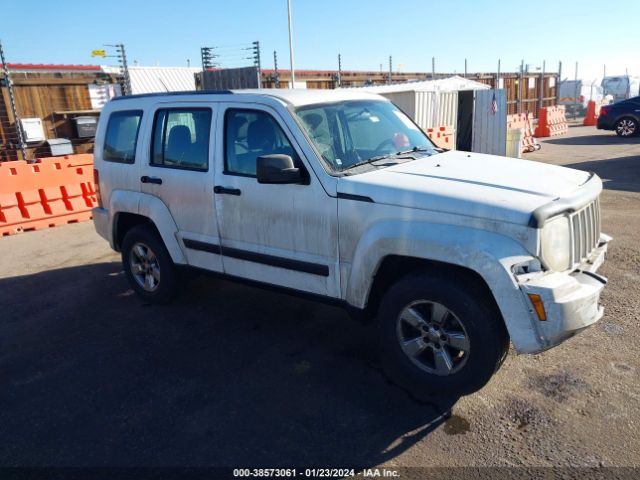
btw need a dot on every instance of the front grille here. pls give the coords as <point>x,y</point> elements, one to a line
<point>585,231</point>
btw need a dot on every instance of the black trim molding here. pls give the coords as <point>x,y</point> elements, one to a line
<point>202,246</point>
<point>287,263</point>
<point>271,260</point>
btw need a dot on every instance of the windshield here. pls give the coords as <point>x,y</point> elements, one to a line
<point>355,132</point>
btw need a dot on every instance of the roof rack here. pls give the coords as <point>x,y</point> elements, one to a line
<point>166,94</point>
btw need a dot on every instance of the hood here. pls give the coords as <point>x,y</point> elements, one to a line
<point>471,184</point>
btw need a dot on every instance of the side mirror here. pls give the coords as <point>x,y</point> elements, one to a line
<point>277,168</point>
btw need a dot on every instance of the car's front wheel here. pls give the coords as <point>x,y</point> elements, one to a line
<point>147,265</point>
<point>439,335</point>
<point>627,127</point>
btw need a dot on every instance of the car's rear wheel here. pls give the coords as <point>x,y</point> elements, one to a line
<point>626,127</point>
<point>147,265</point>
<point>440,335</point>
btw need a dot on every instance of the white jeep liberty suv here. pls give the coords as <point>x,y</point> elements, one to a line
<point>340,195</point>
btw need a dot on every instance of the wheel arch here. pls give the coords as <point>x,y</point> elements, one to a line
<point>624,115</point>
<point>125,221</point>
<point>129,209</point>
<point>483,259</point>
<point>393,267</point>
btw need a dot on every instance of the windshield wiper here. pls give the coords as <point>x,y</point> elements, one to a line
<point>397,155</point>
<point>414,150</point>
<point>369,160</point>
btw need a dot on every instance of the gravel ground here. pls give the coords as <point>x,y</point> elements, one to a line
<point>231,375</point>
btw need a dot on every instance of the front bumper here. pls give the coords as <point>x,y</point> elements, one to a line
<point>571,301</point>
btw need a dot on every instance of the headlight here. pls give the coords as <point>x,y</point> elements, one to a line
<point>555,244</point>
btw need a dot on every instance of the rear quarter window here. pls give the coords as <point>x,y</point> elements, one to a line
<point>121,136</point>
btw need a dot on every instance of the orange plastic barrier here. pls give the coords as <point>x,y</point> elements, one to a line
<point>523,121</point>
<point>52,191</point>
<point>593,112</point>
<point>443,137</point>
<point>551,122</point>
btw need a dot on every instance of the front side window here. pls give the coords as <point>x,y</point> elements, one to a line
<point>250,134</point>
<point>351,132</point>
<point>121,137</point>
<point>181,138</point>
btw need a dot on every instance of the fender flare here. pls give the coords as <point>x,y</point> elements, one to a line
<point>123,201</point>
<point>490,255</point>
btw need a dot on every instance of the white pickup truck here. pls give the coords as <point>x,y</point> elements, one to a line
<point>340,195</point>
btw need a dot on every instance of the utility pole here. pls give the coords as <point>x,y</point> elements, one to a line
<point>390,70</point>
<point>465,68</point>
<point>121,55</point>
<point>339,79</point>
<point>276,75</point>
<point>433,68</point>
<point>558,81</point>
<point>207,56</point>
<point>498,76</point>
<point>520,86</point>
<point>575,93</point>
<point>12,101</point>
<point>293,72</point>
<point>256,61</point>
<point>122,58</point>
<point>541,88</point>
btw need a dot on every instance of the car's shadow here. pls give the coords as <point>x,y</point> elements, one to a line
<point>622,173</point>
<point>609,138</point>
<point>227,375</point>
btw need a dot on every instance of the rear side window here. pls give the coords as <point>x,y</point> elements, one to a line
<point>122,136</point>
<point>181,138</point>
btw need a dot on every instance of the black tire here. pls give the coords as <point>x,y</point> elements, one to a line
<point>163,288</point>
<point>487,338</point>
<point>627,127</point>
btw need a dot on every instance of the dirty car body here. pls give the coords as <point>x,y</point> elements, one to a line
<point>351,202</point>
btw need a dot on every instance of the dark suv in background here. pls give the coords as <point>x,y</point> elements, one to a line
<point>623,117</point>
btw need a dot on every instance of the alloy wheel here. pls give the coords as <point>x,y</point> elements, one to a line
<point>433,338</point>
<point>626,127</point>
<point>144,267</point>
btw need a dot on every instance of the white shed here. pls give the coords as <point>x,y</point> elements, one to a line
<point>431,103</point>
<point>465,105</point>
<point>159,79</point>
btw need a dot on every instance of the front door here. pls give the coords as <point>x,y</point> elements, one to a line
<point>283,235</point>
<point>179,171</point>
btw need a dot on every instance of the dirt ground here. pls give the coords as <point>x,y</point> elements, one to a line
<point>231,375</point>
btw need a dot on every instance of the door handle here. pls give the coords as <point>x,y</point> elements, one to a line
<point>226,190</point>
<point>146,179</point>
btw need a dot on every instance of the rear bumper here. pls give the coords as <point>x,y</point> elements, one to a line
<point>101,222</point>
<point>571,301</point>
<point>604,123</point>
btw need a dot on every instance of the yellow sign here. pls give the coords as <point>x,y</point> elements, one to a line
<point>98,53</point>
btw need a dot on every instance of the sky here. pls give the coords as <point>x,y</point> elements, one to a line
<point>364,32</point>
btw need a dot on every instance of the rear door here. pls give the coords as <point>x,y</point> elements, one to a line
<point>283,235</point>
<point>178,169</point>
